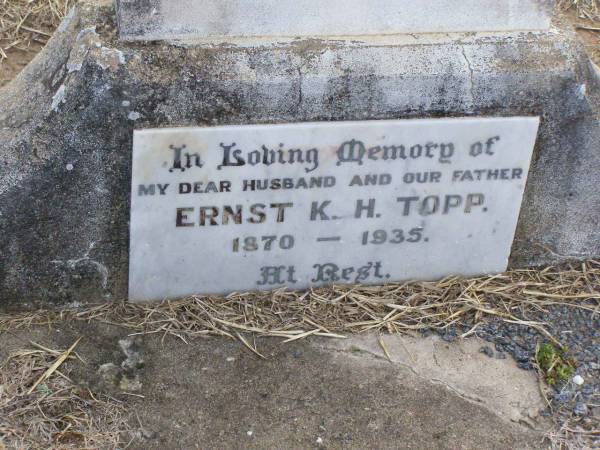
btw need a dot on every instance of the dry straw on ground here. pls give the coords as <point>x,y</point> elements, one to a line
<point>586,9</point>
<point>24,23</point>
<point>40,407</point>
<point>395,308</point>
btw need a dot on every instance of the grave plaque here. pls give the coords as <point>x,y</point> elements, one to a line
<point>258,207</point>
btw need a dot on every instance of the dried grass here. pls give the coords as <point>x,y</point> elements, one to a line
<point>24,23</point>
<point>586,9</point>
<point>568,436</point>
<point>395,308</point>
<point>56,413</point>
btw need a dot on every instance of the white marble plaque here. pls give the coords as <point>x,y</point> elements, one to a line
<point>223,209</point>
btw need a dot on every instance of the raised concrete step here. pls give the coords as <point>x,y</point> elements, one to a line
<point>168,19</point>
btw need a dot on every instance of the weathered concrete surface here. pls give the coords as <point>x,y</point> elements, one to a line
<point>213,393</point>
<point>66,131</point>
<point>199,19</point>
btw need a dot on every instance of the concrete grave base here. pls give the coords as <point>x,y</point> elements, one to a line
<point>66,128</point>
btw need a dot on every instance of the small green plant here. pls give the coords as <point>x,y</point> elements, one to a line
<point>554,363</point>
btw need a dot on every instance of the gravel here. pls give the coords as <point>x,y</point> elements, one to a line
<point>573,405</point>
<point>578,331</point>
<point>580,409</point>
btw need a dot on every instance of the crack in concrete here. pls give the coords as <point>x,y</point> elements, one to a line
<point>300,92</point>
<point>471,74</point>
<point>85,259</point>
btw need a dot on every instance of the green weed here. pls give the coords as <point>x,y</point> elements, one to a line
<point>554,363</point>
